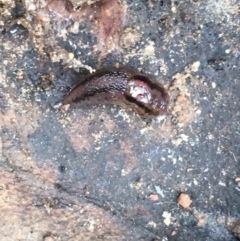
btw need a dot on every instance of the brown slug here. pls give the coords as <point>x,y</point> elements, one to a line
<point>121,86</point>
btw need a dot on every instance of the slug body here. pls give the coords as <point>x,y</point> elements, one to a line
<point>121,86</point>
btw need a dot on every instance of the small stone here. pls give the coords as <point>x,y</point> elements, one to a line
<point>213,85</point>
<point>177,108</point>
<point>153,224</point>
<point>167,221</point>
<point>184,137</point>
<point>57,105</point>
<point>198,112</point>
<point>237,179</point>
<point>210,136</point>
<point>201,222</point>
<point>166,214</point>
<point>70,55</point>
<point>154,197</point>
<point>195,66</point>
<point>150,49</point>
<point>167,218</point>
<point>65,107</point>
<point>227,51</point>
<point>184,200</point>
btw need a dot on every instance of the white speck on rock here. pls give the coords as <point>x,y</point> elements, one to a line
<point>195,66</point>
<point>184,137</point>
<point>213,85</point>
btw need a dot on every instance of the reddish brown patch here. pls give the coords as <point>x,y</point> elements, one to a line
<point>109,16</point>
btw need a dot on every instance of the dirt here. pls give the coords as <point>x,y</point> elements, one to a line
<point>102,172</point>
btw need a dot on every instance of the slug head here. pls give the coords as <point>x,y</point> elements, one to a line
<point>148,94</point>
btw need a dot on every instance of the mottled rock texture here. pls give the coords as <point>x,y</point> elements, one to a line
<point>101,172</point>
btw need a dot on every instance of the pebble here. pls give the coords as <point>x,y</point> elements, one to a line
<point>184,200</point>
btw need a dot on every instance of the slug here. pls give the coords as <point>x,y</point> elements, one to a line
<point>122,86</point>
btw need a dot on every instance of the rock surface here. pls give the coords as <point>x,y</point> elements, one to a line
<point>101,172</point>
